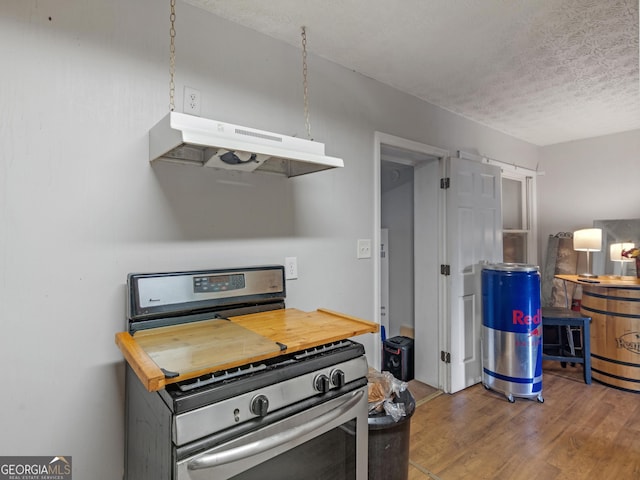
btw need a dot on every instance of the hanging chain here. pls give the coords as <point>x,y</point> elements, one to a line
<point>305,83</point>
<point>172,56</point>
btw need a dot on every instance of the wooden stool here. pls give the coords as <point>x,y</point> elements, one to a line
<point>563,317</point>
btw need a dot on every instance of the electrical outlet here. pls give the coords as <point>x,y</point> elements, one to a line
<point>191,101</point>
<point>364,248</point>
<point>290,268</point>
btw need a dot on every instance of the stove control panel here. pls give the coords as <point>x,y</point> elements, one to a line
<point>194,424</point>
<point>218,283</point>
<point>173,294</point>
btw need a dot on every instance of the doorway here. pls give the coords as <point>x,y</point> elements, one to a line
<point>397,245</point>
<point>408,219</point>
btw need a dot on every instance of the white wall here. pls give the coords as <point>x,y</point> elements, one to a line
<point>587,180</point>
<point>80,207</point>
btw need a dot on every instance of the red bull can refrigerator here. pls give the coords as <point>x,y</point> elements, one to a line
<point>512,330</point>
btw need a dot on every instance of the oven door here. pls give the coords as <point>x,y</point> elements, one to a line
<point>328,440</point>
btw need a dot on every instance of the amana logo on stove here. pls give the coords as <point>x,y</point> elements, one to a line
<point>629,341</point>
<point>35,468</point>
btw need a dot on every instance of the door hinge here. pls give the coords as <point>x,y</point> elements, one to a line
<point>444,183</point>
<point>445,357</point>
<point>445,269</point>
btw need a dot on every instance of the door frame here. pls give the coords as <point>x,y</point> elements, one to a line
<point>380,139</point>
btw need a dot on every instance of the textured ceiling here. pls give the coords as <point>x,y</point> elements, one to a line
<point>544,71</point>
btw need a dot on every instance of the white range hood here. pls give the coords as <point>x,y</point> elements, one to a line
<point>186,139</point>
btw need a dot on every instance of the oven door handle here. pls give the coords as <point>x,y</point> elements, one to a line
<point>210,460</point>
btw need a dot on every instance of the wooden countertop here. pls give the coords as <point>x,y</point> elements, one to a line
<point>197,348</point>
<point>609,281</point>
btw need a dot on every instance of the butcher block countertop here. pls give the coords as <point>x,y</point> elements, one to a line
<point>603,281</point>
<point>165,355</point>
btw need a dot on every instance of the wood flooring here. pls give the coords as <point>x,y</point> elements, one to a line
<point>579,432</point>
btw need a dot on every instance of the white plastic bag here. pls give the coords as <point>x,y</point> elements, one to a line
<point>383,389</point>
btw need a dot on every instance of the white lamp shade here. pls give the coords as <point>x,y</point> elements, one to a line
<point>587,240</point>
<point>616,249</point>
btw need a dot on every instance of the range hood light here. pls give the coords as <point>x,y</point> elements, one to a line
<point>237,158</point>
<point>186,139</point>
<point>234,160</point>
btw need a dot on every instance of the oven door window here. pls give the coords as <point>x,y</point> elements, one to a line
<point>332,455</point>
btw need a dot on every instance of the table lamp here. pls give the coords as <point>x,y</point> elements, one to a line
<point>615,252</point>
<point>587,240</point>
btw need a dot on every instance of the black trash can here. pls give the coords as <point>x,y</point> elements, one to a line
<point>389,442</point>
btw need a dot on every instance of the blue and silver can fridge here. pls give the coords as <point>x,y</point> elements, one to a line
<point>512,330</point>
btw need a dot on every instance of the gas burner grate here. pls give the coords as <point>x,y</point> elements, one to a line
<point>222,376</point>
<point>322,349</point>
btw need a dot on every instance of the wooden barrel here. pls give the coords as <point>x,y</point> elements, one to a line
<point>615,335</point>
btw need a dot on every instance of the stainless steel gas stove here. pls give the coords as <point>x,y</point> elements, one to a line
<point>295,415</point>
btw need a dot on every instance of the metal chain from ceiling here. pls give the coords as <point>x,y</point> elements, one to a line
<point>305,83</point>
<point>172,68</point>
<point>172,56</point>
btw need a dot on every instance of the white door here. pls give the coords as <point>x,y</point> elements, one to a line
<point>473,234</point>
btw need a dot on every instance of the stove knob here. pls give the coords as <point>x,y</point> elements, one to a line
<point>260,405</point>
<point>337,378</point>
<point>322,383</point>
